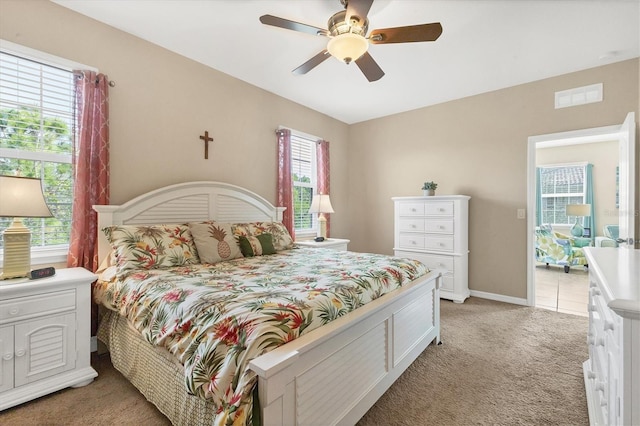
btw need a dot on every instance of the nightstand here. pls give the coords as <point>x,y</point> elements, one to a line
<point>330,243</point>
<point>45,335</point>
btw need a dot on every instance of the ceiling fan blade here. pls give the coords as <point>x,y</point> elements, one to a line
<point>292,25</point>
<point>312,63</point>
<point>369,67</point>
<point>359,8</point>
<point>409,34</point>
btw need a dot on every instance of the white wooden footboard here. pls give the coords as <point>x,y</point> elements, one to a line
<point>334,374</point>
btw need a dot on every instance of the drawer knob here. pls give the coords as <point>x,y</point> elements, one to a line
<point>7,357</point>
<point>600,386</point>
<point>593,308</point>
<point>413,210</point>
<point>591,375</point>
<point>600,341</point>
<point>595,291</point>
<point>591,340</point>
<point>14,310</point>
<point>440,264</point>
<point>20,352</point>
<point>413,225</point>
<point>608,325</point>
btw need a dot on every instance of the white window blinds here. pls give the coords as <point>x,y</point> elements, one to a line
<point>559,186</point>
<point>37,114</point>
<point>304,176</point>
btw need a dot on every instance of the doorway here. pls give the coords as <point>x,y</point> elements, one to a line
<point>620,133</point>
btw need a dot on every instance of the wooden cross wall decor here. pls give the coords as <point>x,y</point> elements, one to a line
<point>206,140</point>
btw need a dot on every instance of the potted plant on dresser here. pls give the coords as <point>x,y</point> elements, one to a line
<point>429,188</point>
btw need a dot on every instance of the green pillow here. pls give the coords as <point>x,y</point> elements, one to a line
<point>256,245</point>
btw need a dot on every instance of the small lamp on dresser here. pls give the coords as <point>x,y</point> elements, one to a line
<point>321,204</point>
<point>19,197</point>
<point>579,211</point>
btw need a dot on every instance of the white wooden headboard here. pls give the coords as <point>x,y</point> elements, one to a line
<point>187,202</point>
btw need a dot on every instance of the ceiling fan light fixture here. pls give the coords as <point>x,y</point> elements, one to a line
<point>347,47</point>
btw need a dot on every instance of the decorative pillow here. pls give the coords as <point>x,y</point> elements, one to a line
<point>151,247</point>
<point>257,246</point>
<point>215,241</point>
<point>281,238</point>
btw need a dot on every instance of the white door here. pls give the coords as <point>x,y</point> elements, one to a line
<point>626,186</point>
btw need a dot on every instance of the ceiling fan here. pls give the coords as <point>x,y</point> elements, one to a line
<point>348,40</point>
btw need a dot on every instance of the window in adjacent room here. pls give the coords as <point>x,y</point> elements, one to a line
<point>37,116</point>
<point>559,186</point>
<point>304,177</point>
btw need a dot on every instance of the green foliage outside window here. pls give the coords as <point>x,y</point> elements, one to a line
<point>302,196</point>
<point>43,149</point>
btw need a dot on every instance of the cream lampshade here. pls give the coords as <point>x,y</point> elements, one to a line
<point>321,204</point>
<point>578,210</point>
<point>19,197</point>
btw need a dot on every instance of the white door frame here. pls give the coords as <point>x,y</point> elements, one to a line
<point>597,134</point>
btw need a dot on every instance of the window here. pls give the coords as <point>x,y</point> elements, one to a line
<point>37,116</point>
<point>304,177</point>
<point>559,186</point>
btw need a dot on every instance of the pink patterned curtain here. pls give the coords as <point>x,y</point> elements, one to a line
<point>285,183</point>
<point>91,167</point>
<point>322,155</point>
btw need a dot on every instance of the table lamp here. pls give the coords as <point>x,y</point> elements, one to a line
<point>321,204</point>
<point>19,197</point>
<point>578,210</point>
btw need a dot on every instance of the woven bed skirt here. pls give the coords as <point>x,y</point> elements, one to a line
<point>153,371</point>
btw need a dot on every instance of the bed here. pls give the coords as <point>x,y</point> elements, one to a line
<point>330,375</point>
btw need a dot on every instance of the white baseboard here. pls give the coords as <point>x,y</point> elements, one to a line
<point>499,297</point>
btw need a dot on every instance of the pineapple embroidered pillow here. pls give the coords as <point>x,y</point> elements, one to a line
<point>215,241</point>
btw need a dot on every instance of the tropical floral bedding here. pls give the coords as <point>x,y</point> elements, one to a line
<point>215,318</point>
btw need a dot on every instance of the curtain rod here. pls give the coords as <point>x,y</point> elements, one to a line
<point>111,83</point>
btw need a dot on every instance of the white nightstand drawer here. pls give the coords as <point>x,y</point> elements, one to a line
<point>439,226</point>
<point>438,243</point>
<point>411,209</point>
<point>338,244</point>
<point>37,305</point>
<point>439,208</point>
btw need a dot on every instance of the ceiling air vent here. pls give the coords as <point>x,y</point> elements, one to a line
<point>579,96</point>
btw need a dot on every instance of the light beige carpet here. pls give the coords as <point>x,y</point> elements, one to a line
<point>499,364</point>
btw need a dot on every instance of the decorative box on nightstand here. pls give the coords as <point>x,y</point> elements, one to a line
<point>330,243</point>
<point>44,335</point>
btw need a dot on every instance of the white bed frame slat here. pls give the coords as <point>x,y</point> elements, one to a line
<point>333,374</point>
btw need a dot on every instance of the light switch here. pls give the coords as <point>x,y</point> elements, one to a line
<point>521,214</point>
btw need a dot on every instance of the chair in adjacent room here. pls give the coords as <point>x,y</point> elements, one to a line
<point>556,248</point>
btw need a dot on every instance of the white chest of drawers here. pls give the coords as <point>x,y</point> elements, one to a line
<point>44,335</point>
<point>612,372</point>
<point>434,230</point>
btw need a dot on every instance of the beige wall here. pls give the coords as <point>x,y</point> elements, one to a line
<point>475,146</point>
<point>162,102</point>
<point>604,157</point>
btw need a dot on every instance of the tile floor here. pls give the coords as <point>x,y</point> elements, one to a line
<point>557,291</point>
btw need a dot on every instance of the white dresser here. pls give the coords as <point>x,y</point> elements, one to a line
<point>44,335</point>
<point>434,230</point>
<point>612,372</point>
